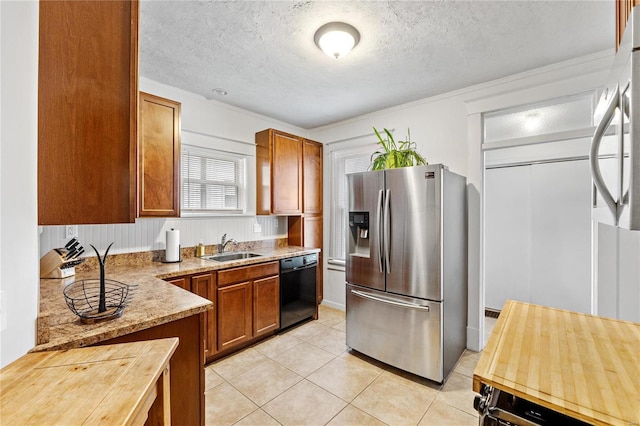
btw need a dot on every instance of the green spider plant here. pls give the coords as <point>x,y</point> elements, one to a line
<point>395,154</point>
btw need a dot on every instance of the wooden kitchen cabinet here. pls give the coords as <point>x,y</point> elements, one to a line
<point>248,304</point>
<point>204,285</point>
<point>278,173</point>
<point>623,11</point>
<point>159,157</point>
<point>182,282</point>
<point>312,172</point>
<point>306,230</point>
<point>266,305</point>
<point>87,111</point>
<point>289,175</point>
<point>234,315</point>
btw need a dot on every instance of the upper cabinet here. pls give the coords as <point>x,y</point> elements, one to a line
<point>312,171</point>
<point>278,173</point>
<point>159,157</point>
<point>623,11</point>
<point>87,112</point>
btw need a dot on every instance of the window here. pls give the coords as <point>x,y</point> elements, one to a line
<point>212,181</point>
<point>344,162</point>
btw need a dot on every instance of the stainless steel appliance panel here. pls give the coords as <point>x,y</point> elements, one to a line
<point>401,331</point>
<point>366,191</point>
<point>619,108</point>
<point>412,213</point>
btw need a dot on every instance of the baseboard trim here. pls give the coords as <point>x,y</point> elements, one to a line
<point>334,305</point>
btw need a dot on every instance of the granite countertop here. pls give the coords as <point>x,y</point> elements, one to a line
<point>156,301</point>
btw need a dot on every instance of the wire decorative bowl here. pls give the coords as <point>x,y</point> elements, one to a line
<point>83,298</point>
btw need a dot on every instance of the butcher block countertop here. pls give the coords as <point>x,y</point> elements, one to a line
<point>584,366</point>
<point>103,385</point>
<point>156,301</point>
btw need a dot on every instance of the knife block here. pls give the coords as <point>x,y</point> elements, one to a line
<point>53,265</point>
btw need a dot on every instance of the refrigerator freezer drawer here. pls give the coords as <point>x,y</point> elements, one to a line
<point>400,331</point>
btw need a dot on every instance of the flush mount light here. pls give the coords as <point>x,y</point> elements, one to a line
<point>336,39</point>
<point>532,121</point>
<point>220,92</point>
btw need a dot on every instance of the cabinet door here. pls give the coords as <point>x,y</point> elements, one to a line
<point>204,286</point>
<point>286,174</point>
<point>312,171</point>
<point>266,305</point>
<point>234,314</point>
<point>182,282</point>
<point>159,157</point>
<point>87,111</point>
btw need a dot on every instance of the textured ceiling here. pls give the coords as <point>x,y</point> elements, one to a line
<point>263,54</point>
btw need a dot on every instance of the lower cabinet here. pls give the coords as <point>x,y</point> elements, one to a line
<point>204,285</point>
<point>234,315</point>
<point>248,303</point>
<point>266,305</point>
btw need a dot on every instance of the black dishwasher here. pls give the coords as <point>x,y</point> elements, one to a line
<point>297,289</point>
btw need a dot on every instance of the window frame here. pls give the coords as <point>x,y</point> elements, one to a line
<point>240,181</point>
<point>338,178</point>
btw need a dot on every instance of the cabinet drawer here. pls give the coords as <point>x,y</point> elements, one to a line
<point>247,273</point>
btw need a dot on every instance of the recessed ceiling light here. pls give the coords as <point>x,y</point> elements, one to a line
<point>220,92</point>
<point>336,39</point>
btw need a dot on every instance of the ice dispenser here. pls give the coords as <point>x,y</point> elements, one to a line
<point>359,235</point>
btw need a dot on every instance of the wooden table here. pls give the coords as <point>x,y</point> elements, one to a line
<point>104,385</point>
<point>584,366</point>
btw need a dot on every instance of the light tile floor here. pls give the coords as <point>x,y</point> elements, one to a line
<point>308,376</point>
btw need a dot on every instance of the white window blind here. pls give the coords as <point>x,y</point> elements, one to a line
<point>343,163</point>
<point>212,181</point>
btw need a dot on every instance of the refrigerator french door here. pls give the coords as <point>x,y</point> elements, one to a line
<point>406,268</point>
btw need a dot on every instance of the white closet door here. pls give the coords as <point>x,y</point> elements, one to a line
<point>561,235</point>
<point>507,235</point>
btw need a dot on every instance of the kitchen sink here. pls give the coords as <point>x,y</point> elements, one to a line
<point>225,257</point>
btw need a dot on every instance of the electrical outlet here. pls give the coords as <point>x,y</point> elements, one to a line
<point>70,231</point>
<point>275,223</point>
<point>257,228</point>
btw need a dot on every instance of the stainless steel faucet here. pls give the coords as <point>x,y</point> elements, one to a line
<point>223,243</point>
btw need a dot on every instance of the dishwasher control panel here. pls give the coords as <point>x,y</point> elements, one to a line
<point>298,262</point>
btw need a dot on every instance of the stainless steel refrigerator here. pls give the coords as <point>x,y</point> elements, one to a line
<point>406,268</point>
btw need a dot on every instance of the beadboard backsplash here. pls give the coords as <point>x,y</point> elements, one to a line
<point>149,234</point>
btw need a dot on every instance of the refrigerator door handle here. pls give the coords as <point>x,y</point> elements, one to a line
<point>387,232</point>
<point>596,174</point>
<point>389,301</point>
<point>379,227</point>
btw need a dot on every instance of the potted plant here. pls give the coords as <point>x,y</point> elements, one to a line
<point>395,154</point>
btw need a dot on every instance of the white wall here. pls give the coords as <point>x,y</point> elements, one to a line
<point>205,123</point>
<point>149,233</point>
<point>448,129</point>
<point>18,178</point>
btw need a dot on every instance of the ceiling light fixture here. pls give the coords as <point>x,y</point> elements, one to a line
<point>336,39</point>
<point>220,92</point>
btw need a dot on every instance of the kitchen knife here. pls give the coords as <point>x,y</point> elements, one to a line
<point>74,246</point>
<point>78,253</point>
<point>70,243</point>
